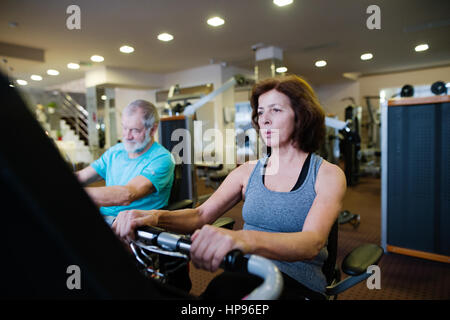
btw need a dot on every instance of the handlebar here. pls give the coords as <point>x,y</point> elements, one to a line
<point>159,241</point>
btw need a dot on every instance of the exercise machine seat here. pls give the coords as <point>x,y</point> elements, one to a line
<point>357,261</point>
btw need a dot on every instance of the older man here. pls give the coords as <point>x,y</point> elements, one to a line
<point>138,172</point>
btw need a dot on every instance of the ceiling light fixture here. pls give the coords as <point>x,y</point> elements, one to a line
<point>281,69</point>
<point>165,37</point>
<point>73,66</point>
<point>216,21</point>
<point>321,63</point>
<point>36,77</point>
<point>282,3</point>
<point>21,82</point>
<point>366,56</point>
<point>52,72</point>
<point>97,58</point>
<point>126,49</point>
<point>421,47</point>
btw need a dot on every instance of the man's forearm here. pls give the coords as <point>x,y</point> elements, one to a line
<point>110,196</point>
<point>87,176</point>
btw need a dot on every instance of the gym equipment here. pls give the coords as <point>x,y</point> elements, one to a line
<point>374,124</point>
<point>186,188</point>
<point>351,145</point>
<point>407,91</point>
<point>190,110</point>
<point>52,227</point>
<point>350,157</point>
<point>415,185</point>
<point>439,88</point>
<point>370,158</point>
<point>176,202</point>
<point>355,264</point>
<point>185,121</point>
<point>155,240</point>
<point>51,224</point>
<point>212,174</point>
<point>348,217</point>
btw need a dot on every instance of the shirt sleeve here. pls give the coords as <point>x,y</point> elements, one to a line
<point>160,172</point>
<point>100,165</point>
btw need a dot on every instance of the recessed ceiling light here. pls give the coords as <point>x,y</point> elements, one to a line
<point>216,21</point>
<point>165,37</point>
<point>97,58</point>
<point>126,49</point>
<point>366,56</point>
<point>321,63</point>
<point>421,47</point>
<point>72,65</point>
<point>52,72</point>
<point>282,3</point>
<point>21,82</point>
<point>281,69</point>
<point>36,77</point>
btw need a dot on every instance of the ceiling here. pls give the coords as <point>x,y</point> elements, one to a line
<point>307,31</point>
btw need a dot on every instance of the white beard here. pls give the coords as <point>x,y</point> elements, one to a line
<point>137,147</point>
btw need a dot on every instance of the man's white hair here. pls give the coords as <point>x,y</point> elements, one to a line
<point>150,114</point>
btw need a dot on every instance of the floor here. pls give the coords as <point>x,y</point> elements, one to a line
<point>402,277</point>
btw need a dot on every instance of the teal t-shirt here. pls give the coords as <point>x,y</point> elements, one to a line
<point>117,169</point>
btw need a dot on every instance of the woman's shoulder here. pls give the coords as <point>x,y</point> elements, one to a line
<point>329,172</point>
<point>246,168</point>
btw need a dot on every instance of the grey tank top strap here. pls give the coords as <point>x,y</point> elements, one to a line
<point>272,211</point>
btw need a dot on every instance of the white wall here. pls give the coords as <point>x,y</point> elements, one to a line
<point>120,77</point>
<point>194,77</point>
<point>78,86</point>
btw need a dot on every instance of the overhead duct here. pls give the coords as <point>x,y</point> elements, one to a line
<point>21,52</point>
<point>267,60</point>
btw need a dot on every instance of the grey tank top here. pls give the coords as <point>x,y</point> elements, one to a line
<point>272,211</point>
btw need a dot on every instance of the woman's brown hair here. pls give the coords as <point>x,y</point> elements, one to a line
<point>309,132</point>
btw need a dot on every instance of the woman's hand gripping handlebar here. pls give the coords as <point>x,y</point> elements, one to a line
<point>162,242</point>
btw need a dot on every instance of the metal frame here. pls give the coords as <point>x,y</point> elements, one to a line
<point>384,172</point>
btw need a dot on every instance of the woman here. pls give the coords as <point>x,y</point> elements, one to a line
<point>292,198</point>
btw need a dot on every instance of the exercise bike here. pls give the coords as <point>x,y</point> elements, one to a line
<point>152,242</point>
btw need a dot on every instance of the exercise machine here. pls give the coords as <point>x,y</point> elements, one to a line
<point>350,157</point>
<point>53,228</point>
<point>150,240</point>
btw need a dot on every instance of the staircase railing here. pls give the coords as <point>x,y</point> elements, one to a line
<point>74,114</point>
